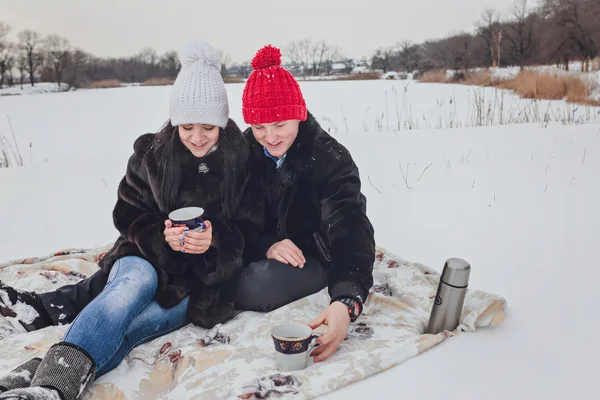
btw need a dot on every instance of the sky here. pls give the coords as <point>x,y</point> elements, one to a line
<point>122,27</point>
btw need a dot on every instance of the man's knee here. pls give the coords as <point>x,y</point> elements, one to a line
<point>269,284</point>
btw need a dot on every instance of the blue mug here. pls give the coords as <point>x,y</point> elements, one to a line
<point>190,217</point>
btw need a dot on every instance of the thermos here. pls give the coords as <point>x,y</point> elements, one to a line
<point>450,296</point>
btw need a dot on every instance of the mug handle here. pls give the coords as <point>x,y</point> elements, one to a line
<point>313,343</point>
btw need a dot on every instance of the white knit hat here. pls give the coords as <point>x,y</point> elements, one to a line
<point>198,95</point>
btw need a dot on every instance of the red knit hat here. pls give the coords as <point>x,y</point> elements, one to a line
<point>271,93</point>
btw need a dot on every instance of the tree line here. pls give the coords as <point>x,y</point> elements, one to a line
<point>533,33</point>
<point>546,32</point>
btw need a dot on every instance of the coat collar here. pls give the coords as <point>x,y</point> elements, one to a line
<point>298,159</point>
<point>213,161</point>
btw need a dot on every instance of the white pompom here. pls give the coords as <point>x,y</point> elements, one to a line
<point>199,50</point>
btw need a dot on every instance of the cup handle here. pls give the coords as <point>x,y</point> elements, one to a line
<point>313,343</point>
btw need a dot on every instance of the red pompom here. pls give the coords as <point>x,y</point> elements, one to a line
<point>266,57</point>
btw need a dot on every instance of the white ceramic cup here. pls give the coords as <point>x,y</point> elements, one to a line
<point>190,217</point>
<point>293,345</point>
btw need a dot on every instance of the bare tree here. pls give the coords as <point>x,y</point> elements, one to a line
<point>323,57</point>
<point>489,29</point>
<point>150,57</point>
<point>22,67</point>
<point>58,50</point>
<point>574,17</point>
<point>461,52</point>
<point>299,54</point>
<point>169,62</point>
<point>520,32</point>
<point>409,55</point>
<point>29,41</point>
<point>383,58</point>
<point>224,59</point>
<point>76,67</point>
<point>7,59</point>
<point>129,69</point>
<point>4,51</point>
<point>4,30</point>
<point>314,57</point>
<point>435,53</point>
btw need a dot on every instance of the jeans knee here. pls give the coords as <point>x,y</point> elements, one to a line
<point>138,274</point>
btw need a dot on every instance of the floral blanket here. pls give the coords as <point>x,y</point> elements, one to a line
<point>235,360</point>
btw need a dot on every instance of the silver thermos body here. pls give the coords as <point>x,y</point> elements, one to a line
<point>450,296</point>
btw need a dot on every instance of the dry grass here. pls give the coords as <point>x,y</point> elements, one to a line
<point>527,84</point>
<point>482,78</point>
<point>105,84</point>
<point>10,154</point>
<point>434,77</point>
<point>165,81</point>
<point>535,85</point>
<point>233,79</point>
<point>366,76</point>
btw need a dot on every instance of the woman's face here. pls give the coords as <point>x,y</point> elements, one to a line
<point>276,137</point>
<point>199,138</point>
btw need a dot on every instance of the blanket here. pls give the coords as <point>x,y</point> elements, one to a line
<point>235,360</point>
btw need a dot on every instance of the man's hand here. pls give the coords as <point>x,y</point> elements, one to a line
<point>287,252</point>
<point>337,318</point>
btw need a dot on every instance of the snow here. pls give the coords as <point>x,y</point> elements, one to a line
<point>38,393</point>
<point>62,363</point>
<point>24,311</point>
<point>39,87</point>
<point>517,201</point>
<point>360,70</point>
<point>26,375</point>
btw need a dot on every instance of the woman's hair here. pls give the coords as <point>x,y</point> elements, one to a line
<point>234,151</point>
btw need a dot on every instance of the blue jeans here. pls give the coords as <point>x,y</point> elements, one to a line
<point>124,315</point>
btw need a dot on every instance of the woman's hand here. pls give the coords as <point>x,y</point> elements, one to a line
<point>183,240</point>
<point>174,235</point>
<point>337,318</point>
<point>287,252</point>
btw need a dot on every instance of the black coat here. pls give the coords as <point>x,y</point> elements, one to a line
<point>315,200</point>
<point>140,213</point>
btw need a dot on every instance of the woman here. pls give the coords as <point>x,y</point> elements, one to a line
<point>317,232</point>
<point>161,277</point>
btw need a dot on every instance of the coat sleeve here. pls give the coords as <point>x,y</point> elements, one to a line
<point>348,229</point>
<point>136,214</point>
<point>235,238</point>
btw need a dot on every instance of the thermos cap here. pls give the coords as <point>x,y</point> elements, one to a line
<point>456,272</point>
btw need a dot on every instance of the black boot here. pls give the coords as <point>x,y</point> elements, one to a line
<point>25,306</point>
<point>66,373</point>
<point>21,376</point>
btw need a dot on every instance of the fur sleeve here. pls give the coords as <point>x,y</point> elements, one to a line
<point>136,214</point>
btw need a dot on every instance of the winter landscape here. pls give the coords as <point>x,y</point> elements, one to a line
<point>510,184</point>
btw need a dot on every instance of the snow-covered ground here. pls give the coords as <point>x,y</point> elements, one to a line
<point>96,121</point>
<point>40,87</point>
<point>518,201</point>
